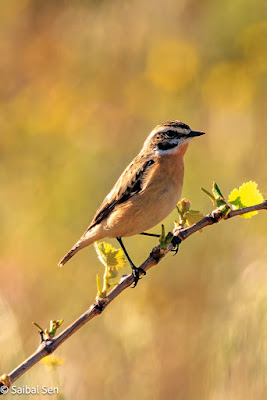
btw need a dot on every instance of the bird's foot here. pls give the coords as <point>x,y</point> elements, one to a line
<point>136,274</point>
<point>135,271</point>
<point>175,242</point>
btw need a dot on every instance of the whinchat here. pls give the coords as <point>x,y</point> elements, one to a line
<point>145,193</point>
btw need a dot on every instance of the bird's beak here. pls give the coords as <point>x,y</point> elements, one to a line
<point>195,133</point>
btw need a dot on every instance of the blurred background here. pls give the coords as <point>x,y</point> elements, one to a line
<point>82,84</point>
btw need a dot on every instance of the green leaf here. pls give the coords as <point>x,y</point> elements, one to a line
<point>209,195</point>
<point>50,333</point>
<point>219,199</point>
<point>193,216</point>
<point>246,195</point>
<point>216,196</point>
<point>162,238</point>
<point>38,326</point>
<point>216,191</point>
<point>112,259</point>
<point>54,325</point>
<point>109,255</point>
<point>164,241</point>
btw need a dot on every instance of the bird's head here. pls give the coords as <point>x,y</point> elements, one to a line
<point>166,138</point>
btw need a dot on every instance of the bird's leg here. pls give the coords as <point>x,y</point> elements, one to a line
<point>136,271</point>
<point>175,242</point>
<point>149,234</point>
<point>125,252</point>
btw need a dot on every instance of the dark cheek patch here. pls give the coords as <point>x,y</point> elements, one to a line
<point>166,146</point>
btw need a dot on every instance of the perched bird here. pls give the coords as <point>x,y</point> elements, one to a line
<point>145,193</point>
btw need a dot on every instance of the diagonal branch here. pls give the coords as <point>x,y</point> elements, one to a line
<point>49,346</point>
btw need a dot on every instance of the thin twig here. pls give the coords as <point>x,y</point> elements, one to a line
<point>49,346</point>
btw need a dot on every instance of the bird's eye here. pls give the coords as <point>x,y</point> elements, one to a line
<point>171,134</point>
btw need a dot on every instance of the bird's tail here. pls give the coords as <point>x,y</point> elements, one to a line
<point>87,239</point>
<point>70,254</point>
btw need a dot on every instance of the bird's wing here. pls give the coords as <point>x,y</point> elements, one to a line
<point>129,184</point>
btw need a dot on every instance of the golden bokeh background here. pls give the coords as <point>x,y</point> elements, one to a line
<point>82,84</point>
